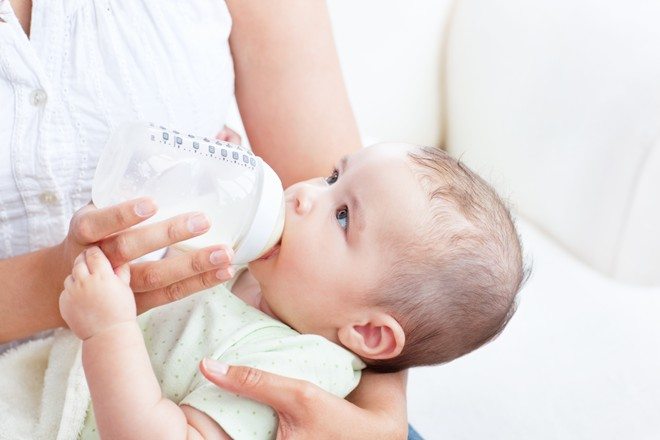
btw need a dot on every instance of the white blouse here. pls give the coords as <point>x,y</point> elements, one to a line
<point>88,66</point>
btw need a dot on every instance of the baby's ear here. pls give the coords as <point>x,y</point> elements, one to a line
<point>379,337</point>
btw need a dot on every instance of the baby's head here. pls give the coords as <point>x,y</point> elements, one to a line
<point>402,255</point>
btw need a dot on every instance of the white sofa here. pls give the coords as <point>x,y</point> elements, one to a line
<point>557,103</point>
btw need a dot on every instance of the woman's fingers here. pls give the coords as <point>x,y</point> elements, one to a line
<point>229,135</point>
<point>91,224</point>
<point>123,272</point>
<point>158,274</point>
<point>161,282</point>
<point>288,396</point>
<point>180,289</point>
<point>133,243</point>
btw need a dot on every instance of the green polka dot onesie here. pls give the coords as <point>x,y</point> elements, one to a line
<point>216,324</point>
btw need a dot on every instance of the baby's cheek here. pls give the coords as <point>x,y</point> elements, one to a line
<point>306,273</point>
<point>304,269</point>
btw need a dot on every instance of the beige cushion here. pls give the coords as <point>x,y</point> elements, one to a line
<point>558,103</point>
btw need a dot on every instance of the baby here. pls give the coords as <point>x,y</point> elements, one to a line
<point>401,257</point>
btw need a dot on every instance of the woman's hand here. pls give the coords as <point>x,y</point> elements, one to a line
<point>305,411</point>
<point>154,283</point>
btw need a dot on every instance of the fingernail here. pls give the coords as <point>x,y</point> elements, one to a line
<point>225,274</point>
<point>198,223</point>
<point>218,257</point>
<point>145,208</point>
<point>215,367</point>
<point>230,253</point>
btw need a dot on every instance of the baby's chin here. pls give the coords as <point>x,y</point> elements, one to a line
<point>259,269</point>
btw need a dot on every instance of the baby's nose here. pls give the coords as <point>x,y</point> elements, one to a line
<point>303,203</point>
<point>303,195</point>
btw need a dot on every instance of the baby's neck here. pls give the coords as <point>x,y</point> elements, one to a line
<point>247,289</point>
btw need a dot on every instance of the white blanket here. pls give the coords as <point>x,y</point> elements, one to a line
<point>43,392</point>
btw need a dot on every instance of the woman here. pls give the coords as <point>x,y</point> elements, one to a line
<point>71,71</point>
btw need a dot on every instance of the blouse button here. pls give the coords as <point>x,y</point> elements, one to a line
<point>38,97</point>
<point>48,198</point>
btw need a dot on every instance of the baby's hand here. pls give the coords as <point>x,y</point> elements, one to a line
<point>95,296</point>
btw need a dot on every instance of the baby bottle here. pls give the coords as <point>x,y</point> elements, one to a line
<point>238,191</point>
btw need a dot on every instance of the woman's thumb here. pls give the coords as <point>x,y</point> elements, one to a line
<point>281,393</point>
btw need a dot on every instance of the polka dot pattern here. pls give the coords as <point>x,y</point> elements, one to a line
<point>217,324</point>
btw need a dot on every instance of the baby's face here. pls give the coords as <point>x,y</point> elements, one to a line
<point>338,235</point>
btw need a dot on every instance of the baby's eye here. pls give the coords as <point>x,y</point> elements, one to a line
<point>333,177</point>
<point>342,217</point>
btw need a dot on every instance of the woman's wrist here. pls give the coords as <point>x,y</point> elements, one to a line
<point>31,287</point>
<point>50,269</point>
<point>59,267</point>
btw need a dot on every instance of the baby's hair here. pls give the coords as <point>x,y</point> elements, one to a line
<point>453,286</point>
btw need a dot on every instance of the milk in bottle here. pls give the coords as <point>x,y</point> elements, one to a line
<point>238,191</point>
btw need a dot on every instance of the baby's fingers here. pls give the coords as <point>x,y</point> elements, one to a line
<point>80,270</point>
<point>97,262</point>
<point>68,282</point>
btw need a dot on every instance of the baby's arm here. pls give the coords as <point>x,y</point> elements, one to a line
<point>98,305</point>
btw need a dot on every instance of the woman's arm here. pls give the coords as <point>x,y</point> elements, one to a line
<point>383,395</point>
<point>375,410</point>
<point>28,299</point>
<point>289,86</point>
<point>31,283</point>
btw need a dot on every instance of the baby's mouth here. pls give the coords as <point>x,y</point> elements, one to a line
<point>274,250</point>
